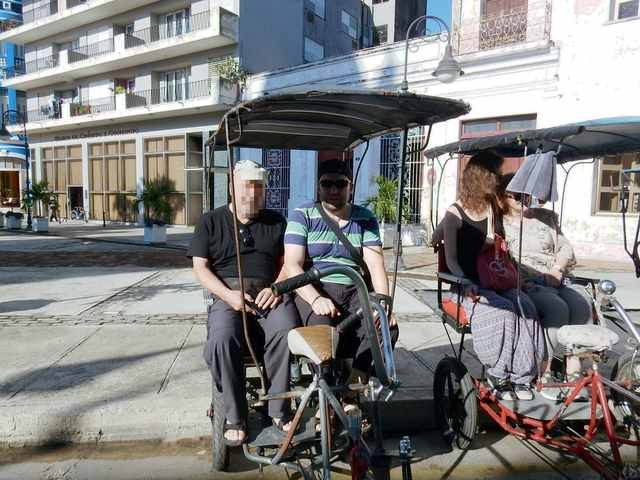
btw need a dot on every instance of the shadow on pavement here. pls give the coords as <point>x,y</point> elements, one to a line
<point>21,305</point>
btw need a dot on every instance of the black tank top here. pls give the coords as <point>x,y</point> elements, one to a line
<point>471,239</point>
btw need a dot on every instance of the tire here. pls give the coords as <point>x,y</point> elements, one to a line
<point>456,404</point>
<point>219,450</point>
<point>625,410</point>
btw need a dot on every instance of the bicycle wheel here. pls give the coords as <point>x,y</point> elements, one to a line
<point>456,404</point>
<point>219,450</point>
<point>627,369</point>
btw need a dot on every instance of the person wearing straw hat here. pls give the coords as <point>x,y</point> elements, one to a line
<point>214,264</point>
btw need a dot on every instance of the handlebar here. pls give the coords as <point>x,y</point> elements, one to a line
<point>346,322</point>
<point>380,351</point>
<point>293,283</point>
<point>625,317</point>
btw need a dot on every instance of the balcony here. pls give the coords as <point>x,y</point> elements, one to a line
<point>43,11</point>
<point>93,107</point>
<point>156,33</point>
<point>55,18</point>
<point>204,31</point>
<point>208,95</point>
<point>525,25</point>
<point>91,50</point>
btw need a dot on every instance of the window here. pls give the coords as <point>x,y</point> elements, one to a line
<point>610,182</point>
<point>380,35</point>
<point>313,51</point>
<point>174,86</point>
<point>318,7</point>
<point>175,23</point>
<point>349,24</point>
<point>625,9</point>
<point>379,1</point>
<point>474,128</point>
<point>6,6</point>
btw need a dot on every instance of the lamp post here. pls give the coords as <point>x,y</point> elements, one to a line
<point>5,135</point>
<point>448,70</point>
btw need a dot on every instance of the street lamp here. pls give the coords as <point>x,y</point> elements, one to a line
<point>5,136</point>
<point>448,70</point>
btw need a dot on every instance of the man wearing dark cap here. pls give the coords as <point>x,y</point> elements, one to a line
<point>309,239</point>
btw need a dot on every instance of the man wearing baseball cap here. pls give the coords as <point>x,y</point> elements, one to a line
<point>214,264</point>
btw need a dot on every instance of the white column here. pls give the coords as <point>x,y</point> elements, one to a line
<point>85,178</point>
<point>303,174</point>
<point>140,173</point>
<point>369,170</point>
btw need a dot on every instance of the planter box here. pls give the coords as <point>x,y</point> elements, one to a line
<point>155,234</point>
<point>13,223</point>
<point>40,224</point>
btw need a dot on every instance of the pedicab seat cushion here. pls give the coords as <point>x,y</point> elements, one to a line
<point>318,343</point>
<point>450,308</point>
<point>586,338</point>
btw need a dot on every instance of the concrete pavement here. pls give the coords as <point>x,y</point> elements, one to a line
<point>94,354</point>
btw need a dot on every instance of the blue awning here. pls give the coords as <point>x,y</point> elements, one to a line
<point>13,149</point>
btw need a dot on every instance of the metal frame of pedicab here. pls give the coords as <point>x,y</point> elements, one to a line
<point>571,143</point>
<point>337,121</point>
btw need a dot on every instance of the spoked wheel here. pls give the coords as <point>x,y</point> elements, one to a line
<point>219,450</point>
<point>627,369</point>
<point>456,404</point>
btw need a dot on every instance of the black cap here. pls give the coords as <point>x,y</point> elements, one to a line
<point>334,165</point>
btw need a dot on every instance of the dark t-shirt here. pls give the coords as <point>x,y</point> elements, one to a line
<point>260,250</point>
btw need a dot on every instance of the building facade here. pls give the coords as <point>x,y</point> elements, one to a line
<point>120,93</point>
<point>391,19</point>
<point>528,64</point>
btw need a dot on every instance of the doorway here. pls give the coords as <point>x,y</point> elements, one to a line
<point>75,198</point>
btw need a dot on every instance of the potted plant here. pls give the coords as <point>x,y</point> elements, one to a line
<point>14,220</point>
<point>233,76</point>
<point>38,197</point>
<point>156,209</point>
<point>384,206</point>
<point>120,90</point>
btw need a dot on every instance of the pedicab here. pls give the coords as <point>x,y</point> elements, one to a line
<point>336,121</point>
<point>567,425</point>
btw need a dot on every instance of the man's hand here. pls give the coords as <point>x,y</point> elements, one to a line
<point>324,306</point>
<point>266,299</point>
<point>233,298</point>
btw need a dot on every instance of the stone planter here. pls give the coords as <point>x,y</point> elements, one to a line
<point>13,223</point>
<point>155,234</point>
<point>40,224</point>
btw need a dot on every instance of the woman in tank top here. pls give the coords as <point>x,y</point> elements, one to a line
<point>511,346</point>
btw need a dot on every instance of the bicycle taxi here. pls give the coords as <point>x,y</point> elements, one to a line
<point>337,121</point>
<point>597,430</point>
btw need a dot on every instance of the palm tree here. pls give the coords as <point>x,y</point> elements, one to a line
<point>155,201</point>
<point>384,203</point>
<point>38,195</point>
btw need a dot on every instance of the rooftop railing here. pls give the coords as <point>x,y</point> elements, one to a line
<point>155,33</point>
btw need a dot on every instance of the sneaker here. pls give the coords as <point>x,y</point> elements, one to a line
<point>555,394</point>
<point>523,391</point>
<point>501,387</point>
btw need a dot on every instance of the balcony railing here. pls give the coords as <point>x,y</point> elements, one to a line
<point>43,11</point>
<point>171,93</point>
<point>530,23</point>
<point>41,64</point>
<point>155,33</point>
<point>45,112</point>
<point>91,50</point>
<point>99,105</point>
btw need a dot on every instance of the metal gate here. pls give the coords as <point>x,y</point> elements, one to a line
<point>278,164</point>
<point>390,151</point>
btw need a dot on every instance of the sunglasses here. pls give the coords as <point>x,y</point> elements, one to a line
<point>339,184</point>
<point>245,236</point>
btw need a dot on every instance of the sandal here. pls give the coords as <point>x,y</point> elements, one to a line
<point>240,427</point>
<point>555,394</point>
<point>281,422</point>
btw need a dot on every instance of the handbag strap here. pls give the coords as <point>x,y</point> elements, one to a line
<point>335,228</point>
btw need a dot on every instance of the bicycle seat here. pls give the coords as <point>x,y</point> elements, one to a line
<point>318,343</point>
<point>578,339</point>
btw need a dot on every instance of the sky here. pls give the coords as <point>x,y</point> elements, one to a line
<point>440,8</point>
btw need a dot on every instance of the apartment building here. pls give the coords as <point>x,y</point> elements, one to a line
<point>391,19</point>
<point>121,92</point>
